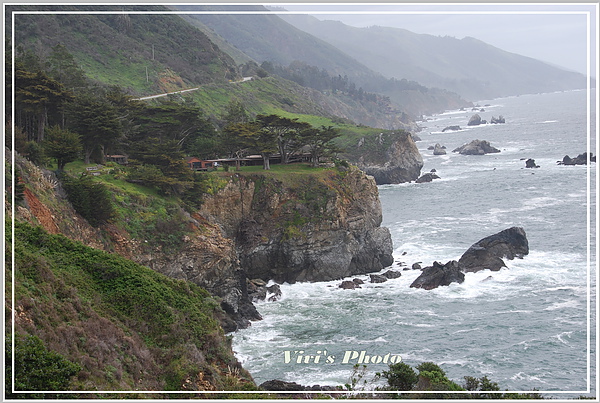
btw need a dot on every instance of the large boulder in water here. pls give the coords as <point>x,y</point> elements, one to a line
<point>428,177</point>
<point>439,275</point>
<point>530,163</point>
<point>439,150</point>
<point>475,120</point>
<point>452,128</point>
<point>476,147</point>
<point>489,252</point>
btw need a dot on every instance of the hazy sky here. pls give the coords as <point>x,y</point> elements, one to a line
<point>553,33</point>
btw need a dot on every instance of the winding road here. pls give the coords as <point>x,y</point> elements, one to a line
<point>188,90</point>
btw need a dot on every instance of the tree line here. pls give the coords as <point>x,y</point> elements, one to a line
<point>60,114</point>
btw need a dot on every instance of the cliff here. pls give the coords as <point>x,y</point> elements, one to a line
<point>87,319</point>
<point>390,157</point>
<point>294,223</point>
<point>303,227</point>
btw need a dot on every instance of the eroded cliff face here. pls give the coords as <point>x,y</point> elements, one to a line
<point>313,226</point>
<point>318,227</point>
<point>391,158</point>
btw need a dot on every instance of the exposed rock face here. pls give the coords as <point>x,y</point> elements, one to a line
<point>475,120</point>
<point>211,261</point>
<point>439,150</point>
<point>322,228</point>
<point>530,163</point>
<point>334,232</point>
<point>400,162</point>
<point>499,119</point>
<point>439,275</point>
<point>476,147</point>
<point>489,252</point>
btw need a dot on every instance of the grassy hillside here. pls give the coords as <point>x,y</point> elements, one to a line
<point>136,51</point>
<point>121,323</point>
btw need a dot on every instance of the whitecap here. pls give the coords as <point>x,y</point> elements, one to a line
<point>562,305</point>
<point>465,330</point>
<point>560,336</point>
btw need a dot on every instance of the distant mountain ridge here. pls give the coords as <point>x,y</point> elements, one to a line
<point>268,38</point>
<point>468,66</point>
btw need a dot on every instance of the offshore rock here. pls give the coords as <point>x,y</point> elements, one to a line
<point>581,159</point>
<point>489,252</point>
<point>376,278</point>
<point>428,177</point>
<point>348,285</point>
<point>476,147</point>
<point>399,162</point>
<point>475,120</point>
<point>530,163</point>
<point>451,128</point>
<point>391,274</point>
<point>439,275</point>
<point>439,150</point>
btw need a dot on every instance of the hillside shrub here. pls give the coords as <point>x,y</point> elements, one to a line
<point>91,199</point>
<point>36,368</point>
<point>401,376</point>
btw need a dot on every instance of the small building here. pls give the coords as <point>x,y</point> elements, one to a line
<point>119,159</point>
<point>197,164</point>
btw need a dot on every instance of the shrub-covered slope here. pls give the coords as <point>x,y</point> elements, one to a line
<point>145,53</point>
<point>127,327</point>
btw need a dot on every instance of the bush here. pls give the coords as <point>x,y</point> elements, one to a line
<point>37,368</point>
<point>401,376</point>
<point>91,199</point>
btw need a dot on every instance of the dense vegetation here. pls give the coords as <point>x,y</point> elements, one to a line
<point>95,321</point>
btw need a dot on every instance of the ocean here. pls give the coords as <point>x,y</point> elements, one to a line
<point>525,326</point>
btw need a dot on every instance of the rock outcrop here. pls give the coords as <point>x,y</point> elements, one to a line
<point>497,120</point>
<point>398,162</point>
<point>489,252</point>
<point>439,149</point>
<point>530,163</point>
<point>428,177</point>
<point>474,121</point>
<point>439,275</point>
<point>581,159</point>
<point>451,128</point>
<point>476,147</point>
